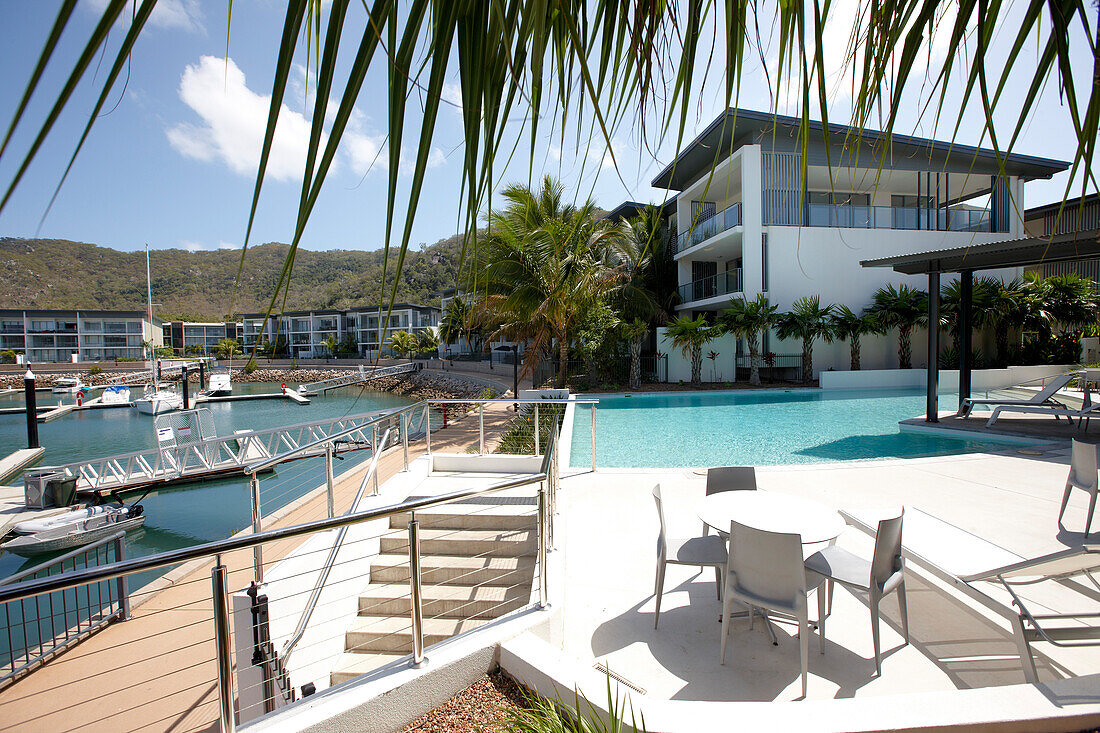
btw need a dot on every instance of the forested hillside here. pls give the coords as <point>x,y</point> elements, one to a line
<point>52,273</point>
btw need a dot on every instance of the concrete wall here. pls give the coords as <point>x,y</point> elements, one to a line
<point>981,379</point>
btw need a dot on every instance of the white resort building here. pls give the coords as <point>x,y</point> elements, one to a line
<point>305,332</point>
<point>746,222</point>
<point>78,335</point>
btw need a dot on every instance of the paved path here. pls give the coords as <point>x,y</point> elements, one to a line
<point>156,672</point>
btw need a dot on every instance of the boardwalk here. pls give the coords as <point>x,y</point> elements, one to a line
<point>156,672</point>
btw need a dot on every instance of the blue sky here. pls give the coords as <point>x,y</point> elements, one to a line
<point>174,163</point>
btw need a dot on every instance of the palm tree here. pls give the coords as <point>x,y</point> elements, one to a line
<point>983,302</point>
<point>226,348</point>
<point>641,291</point>
<point>403,344</point>
<point>850,326</point>
<point>1062,302</point>
<point>808,321</point>
<point>427,341</point>
<point>459,321</point>
<point>542,267</point>
<point>690,336</point>
<point>330,344</point>
<point>748,319</point>
<point>901,308</point>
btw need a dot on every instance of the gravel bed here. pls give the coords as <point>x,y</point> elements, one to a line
<point>476,709</point>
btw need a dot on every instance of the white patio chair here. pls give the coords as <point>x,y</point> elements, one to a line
<point>729,478</point>
<point>765,570</point>
<point>1082,475</point>
<point>1045,396</point>
<point>707,551</point>
<point>882,575</point>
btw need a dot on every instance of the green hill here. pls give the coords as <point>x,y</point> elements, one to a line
<point>53,273</point>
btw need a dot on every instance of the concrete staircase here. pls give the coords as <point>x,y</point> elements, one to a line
<point>477,562</point>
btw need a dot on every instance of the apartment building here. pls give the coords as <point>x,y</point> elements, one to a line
<point>306,332</point>
<point>184,336</point>
<point>1080,215</point>
<point>78,335</point>
<point>749,221</point>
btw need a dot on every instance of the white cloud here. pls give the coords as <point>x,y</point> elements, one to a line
<point>193,246</point>
<point>185,15</point>
<point>452,93</point>
<point>233,121</point>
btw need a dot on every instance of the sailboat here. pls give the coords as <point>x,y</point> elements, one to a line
<point>156,399</point>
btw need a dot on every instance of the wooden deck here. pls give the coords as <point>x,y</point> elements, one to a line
<point>156,672</point>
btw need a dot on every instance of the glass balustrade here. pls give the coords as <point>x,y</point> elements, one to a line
<point>724,283</point>
<point>704,229</point>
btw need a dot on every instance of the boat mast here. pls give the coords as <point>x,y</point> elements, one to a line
<point>149,293</point>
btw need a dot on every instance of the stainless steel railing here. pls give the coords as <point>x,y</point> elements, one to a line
<point>77,614</point>
<point>546,479</point>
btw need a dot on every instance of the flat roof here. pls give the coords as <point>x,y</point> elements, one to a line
<point>75,311</point>
<point>628,209</point>
<point>744,124</point>
<point>1012,253</point>
<point>1043,209</point>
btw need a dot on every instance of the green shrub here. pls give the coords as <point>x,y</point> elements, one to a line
<point>7,356</point>
<point>94,370</point>
<point>544,715</point>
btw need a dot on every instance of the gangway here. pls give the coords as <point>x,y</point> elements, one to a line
<point>356,377</point>
<point>178,457</point>
<point>167,369</point>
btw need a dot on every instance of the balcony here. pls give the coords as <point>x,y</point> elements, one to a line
<point>724,283</point>
<point>898,217</point>
<point>706,228</point>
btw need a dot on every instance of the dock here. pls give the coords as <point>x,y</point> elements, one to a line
<point>56,412</point>
<point>351,379</point>
<point>12,464</point>
<point>290,394</point>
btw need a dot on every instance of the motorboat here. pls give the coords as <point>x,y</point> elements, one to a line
<point>116,395</point>
<point>157,400</point>
<point>67,385</point>
<point>71,529</point>
<point>219,385</point>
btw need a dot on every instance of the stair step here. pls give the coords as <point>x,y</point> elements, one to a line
<point>454,570</point>
<point>495,518</point>
<point>393,634</point>
<point>470,542</point>
<point>448,601</point>
<point>349,666</point>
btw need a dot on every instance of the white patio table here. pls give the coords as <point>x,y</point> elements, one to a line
<point>773,511</point>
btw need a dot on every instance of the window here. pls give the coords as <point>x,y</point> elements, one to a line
<point>839,198</point>
<point>133,327</point>
<point>764,262</point>
<point>93,326</point>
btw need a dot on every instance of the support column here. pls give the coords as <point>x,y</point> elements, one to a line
<point>932,404</point>
<point>966,326</point>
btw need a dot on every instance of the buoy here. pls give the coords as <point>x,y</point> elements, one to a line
<point>80,398</point>
<point>284,387</point>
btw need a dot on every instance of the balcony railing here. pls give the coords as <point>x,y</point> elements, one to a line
<point>707,228</point>
<point>724,283</point>
<point>898,217</point>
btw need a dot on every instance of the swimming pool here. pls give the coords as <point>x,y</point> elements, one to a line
<point>759,428</point>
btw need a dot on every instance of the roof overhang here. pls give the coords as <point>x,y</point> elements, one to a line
<point>1013,253</point>
<point>736,127</point>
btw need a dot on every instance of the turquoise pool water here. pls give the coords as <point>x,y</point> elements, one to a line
<point>759,428</point>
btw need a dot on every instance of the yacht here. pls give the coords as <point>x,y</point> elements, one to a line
<point>219,385</point>
<point>156,399</point>
<point>67,385</point>
<point>116,394</point>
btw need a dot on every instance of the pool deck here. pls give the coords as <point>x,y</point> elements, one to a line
<point>1007,498</point>
<point>1010,424</point>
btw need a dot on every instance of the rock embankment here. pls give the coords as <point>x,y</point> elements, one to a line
<point>419,385</point>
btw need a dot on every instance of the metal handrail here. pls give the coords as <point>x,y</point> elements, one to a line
<point>38,586</point>
<point>61,558</point>
<point>322,578</point>
<point>254,468</point>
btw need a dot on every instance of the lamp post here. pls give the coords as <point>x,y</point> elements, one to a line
<point>515,371</point>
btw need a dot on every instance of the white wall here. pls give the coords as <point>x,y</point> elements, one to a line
<point>679,366</point>
<point>980,380</point>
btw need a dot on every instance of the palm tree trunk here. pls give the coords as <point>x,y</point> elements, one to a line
<point>636,362</point>
<point>696,364</point>
<point>754,361</point>
<point>905,349</point>
<point>855,352</point>
<point>563,360</point>
<point>807,360</point>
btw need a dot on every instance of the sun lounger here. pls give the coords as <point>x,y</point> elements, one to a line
<point>1045,396</point>
<point>967,561</point>
<point>1057,412</point>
